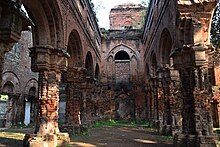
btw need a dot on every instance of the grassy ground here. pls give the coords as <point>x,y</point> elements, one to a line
<point>121,134</point>
<point>113,123</point>
<point>14,136</point>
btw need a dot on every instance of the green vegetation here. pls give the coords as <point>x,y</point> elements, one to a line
<point>215,29</point>
<point>20,126</point>
<point>82,133</point>
<point>12,135</point>
<point>109,123</point>
<point>164,137</point>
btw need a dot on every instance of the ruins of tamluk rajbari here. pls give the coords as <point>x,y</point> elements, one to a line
<point>64,73</point>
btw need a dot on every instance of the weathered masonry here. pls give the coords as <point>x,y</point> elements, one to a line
<point>177,69</point>
<point>158,70</point>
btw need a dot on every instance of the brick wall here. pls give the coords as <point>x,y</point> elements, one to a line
<point>217,75</point>
<point>122,71</point>
<point>126,16</point>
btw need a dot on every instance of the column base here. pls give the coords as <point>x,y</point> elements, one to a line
<point>49,140</point>
<point>182,140</point>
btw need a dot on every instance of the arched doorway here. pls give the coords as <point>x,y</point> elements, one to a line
<point>10,105</point>
<point>4,103</point>
<point>30,106</point>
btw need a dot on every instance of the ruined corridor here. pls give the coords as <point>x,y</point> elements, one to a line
<point>62,74</point>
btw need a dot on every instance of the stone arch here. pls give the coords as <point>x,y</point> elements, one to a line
<point>46,15</point>
<point>8,87</point>
<point>89,64</point>
<point>122,47</point>
<point>74,48</point>
<point>31,83</point>
<point>9,76</point>
<point>165,47</point>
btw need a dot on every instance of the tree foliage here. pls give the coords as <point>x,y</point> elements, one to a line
<point>215,28</point>
<point>215,35</point>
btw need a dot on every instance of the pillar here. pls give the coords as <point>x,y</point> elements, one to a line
<point>74,77</point>
<point>49,62</point>
<point>87,86</point>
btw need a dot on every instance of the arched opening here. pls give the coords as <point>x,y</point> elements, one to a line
<point>165,47</point>
<point>122,55</point>
<point>89,65</point>
<point>8,87</point>
<point>5,103</point>
<point>74,48</point>
<point>213,71</point>
<point>30,106</point>
<point>47,29</point>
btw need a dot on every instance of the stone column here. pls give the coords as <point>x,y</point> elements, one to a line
<point>196,123</point>
<point>87,86</point>
<point>49,62</point>
<point>176,103</point>
<point>167,118</point>
<point>74,78</point>
<point>47,115</point>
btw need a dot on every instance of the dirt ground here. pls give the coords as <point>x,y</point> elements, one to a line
<point>112,136</point>
<point>121,136</point>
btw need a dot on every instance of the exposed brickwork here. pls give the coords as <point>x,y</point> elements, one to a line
<point>127,16</point>
<point>189,47</point>
<point>217,75</point>
<point>164,77</point>
<point>122,73</point>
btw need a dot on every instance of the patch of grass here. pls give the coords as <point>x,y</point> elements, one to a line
<point>109,123</point>
<point>164,137</point>
<point>20,126</point>
<point>83,133</point>
<point>12,135</point>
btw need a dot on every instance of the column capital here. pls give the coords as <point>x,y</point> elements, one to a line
<point>46,57</point>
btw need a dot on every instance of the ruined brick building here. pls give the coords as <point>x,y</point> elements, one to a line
<point>158,69</point>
